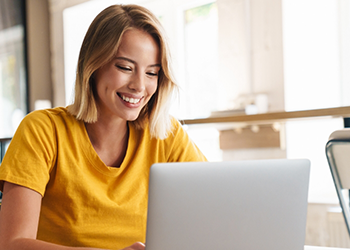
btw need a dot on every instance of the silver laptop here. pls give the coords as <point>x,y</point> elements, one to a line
<point>240,205</point>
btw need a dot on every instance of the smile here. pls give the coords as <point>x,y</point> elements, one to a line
<point>130,100</point>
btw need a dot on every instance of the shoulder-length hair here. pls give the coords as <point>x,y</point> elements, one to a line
<point>100,45</point>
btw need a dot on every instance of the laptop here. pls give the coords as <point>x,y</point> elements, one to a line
<point>240,205</point>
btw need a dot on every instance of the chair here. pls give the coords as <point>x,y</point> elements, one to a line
<point>4,142</point>
<point>338,156</point>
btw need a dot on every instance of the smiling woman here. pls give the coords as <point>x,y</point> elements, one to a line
<point>77,177</point>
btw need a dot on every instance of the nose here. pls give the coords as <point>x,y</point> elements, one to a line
<point>137,82</point>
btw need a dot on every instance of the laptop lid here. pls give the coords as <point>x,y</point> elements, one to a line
<point>241,205</point>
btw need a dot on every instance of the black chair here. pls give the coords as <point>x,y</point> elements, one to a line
<point>338,156</point>
<point>4,142</point>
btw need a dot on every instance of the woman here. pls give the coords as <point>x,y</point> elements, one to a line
<point>77,177</point>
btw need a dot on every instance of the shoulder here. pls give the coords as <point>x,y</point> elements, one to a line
<point>48,116</point>
<point>46,122</point>
<point>181,146</point>
<point>145,130</point>
<point>176,128</point>
<point>175,132</point>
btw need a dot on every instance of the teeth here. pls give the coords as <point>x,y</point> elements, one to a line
<point>130,100</point>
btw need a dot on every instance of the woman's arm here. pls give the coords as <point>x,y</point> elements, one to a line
<point>19,219</point>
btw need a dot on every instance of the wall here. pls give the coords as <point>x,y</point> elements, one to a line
<point>251,61</point>
<point>45,50</point>
<point>250,51</point>
<point>38,38</point>
<point>56,8</point>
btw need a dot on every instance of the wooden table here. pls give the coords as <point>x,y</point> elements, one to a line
<point>269,125</point>
<point>271,117</point>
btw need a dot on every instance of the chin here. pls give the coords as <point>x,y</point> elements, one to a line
<point>132,118</point>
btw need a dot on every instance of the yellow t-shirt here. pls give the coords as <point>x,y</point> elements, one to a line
<point>85,202</point>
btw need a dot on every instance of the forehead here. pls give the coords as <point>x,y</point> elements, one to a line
<point>138,43</point>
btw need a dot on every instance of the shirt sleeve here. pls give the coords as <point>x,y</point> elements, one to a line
<point>183,149</point>
<point>31,154</point>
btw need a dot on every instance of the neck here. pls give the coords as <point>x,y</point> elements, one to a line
<point>110,140</point>
<point>101,132</point>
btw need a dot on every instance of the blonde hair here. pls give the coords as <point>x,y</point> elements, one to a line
<point>100,44</point>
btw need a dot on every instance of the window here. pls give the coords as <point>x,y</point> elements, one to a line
<point>13,79</point>
<point>201,61</point>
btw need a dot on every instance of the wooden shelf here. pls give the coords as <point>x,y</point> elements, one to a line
<point>273,116</point>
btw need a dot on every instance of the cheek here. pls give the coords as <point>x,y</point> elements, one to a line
<point>152,88</point>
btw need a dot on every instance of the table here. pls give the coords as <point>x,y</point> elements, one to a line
<point>324,248</point>
<point>343,112</point>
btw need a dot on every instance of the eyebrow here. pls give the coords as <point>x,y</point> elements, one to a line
<point>132,61</point>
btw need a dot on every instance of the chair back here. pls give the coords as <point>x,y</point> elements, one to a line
<point>4,142</point>
<point>338,156</point>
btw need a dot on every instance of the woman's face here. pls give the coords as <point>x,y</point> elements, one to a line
<point>126,84</point>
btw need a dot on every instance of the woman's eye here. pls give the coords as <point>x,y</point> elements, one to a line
<point>152,74</point>
<point>123,68</point>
